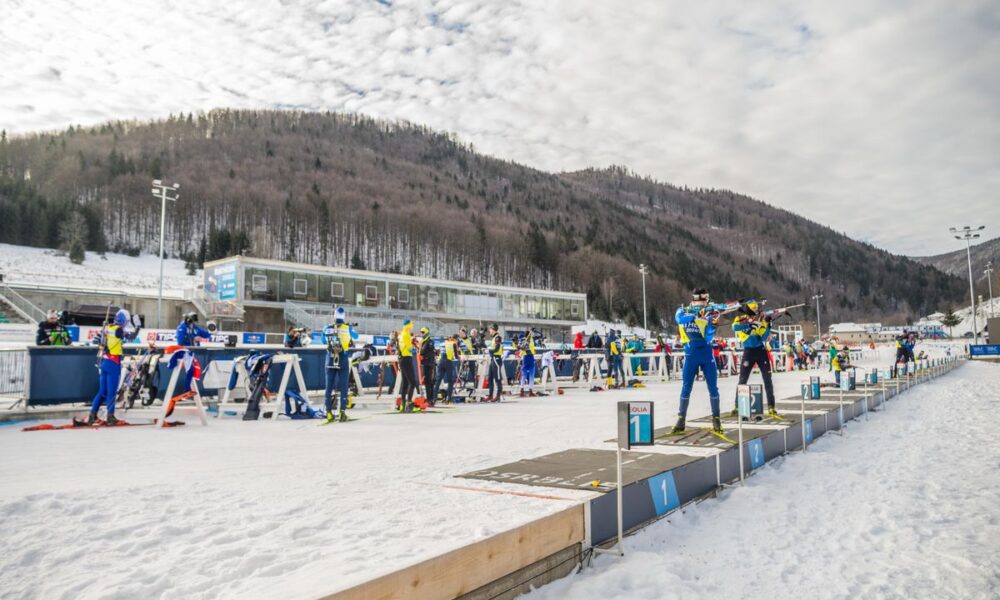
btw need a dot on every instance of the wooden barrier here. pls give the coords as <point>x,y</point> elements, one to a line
<point>471,567</point>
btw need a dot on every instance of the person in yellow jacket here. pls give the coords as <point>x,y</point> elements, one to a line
<point>446,369</point>
<point>497,372</point>
<point>841,362</point>
<point>407,366</point>
<point>111,369</point>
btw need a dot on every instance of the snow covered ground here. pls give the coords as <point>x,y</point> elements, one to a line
<point>133,274</point>
<point>293,510</point>
<point>906,505</point>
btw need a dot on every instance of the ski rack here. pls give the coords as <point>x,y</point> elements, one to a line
<point>199,407</point>
<point>276,405</point>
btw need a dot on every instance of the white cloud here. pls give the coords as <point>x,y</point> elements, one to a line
<point>880,119</point>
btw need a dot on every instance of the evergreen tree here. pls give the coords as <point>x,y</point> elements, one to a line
<point>950,320</point>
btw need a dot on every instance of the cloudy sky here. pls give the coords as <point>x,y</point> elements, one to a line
<point>880,119</point>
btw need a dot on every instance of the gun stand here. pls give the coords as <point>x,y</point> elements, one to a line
<point>276,403</point>
<point>198,409</point>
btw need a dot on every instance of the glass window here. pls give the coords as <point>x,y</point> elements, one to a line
<point>259,282</point>
<point>300,287</point>
<point>337,290</point>
<point>574,309</point>
<point>403,296</point>
<point>432,299</point>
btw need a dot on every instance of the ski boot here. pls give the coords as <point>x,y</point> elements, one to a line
<point>717,425</point>
<point>408,407</point>
<point>350,401</point>
<point>328,417</point>
<point>111,421</point>
<point>342,417</point>
<point>421,403</point>
<point>772,412</point>
<point>679,427</point>
<point>399,404</point>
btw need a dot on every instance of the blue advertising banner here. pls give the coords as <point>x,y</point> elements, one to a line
<point>985,350</point>
<point>221,282</point>
<point>253,338</point>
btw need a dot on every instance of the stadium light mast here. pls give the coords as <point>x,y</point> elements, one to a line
<point>968,234</point>
<point>644,270</point>
<point>819,328</point>
<point>163,192</point>
<point>988,271</point>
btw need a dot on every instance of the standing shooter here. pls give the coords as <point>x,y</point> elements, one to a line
<point>697,331</point>
<point>755,334</point>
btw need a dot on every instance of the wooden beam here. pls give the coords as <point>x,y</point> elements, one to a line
<point>470,567</point>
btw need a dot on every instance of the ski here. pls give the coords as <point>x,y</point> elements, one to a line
<point>719,435</point>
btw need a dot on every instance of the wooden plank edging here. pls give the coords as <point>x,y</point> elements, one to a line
<point>470,567</point>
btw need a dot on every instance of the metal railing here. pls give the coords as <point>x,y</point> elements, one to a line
<point>21,305</point>
<point>13,365</point>
<point>316,316</point>
<point>212,309</point>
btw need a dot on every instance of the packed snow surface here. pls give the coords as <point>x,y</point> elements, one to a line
<point>132,274</point>
<point>293,510</point>
<point>906,505</point>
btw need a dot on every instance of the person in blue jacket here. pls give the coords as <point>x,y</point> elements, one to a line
<point>111,368</point>
<point>338,338</point>
<point>189,333</point>
<point>697,332</point>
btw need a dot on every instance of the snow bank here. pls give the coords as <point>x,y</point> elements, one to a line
<point>903,506</point>
<point>292,510</point>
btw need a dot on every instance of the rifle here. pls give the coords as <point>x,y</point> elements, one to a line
<point>777,313</point>
<point>104,337</point>
<point>722,308</point>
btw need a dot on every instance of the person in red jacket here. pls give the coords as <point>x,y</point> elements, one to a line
<point>578,344</point>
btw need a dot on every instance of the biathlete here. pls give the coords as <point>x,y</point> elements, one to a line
<point>111,368</point>
<point>755,335</point>
<point>697,331</point>
<point>338,339</point>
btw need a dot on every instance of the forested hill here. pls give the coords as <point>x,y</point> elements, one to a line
<point>352,191</point>
<point>957,262</point>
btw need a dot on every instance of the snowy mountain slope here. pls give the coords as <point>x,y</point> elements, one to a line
<point>140,274</point>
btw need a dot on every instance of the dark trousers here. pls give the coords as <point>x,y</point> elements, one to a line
<point>337,379</point>
<point>445,373</point>
<point>758,357</point>
<point>496,376</point>
<point>428,369</point>
<point>408,371</point>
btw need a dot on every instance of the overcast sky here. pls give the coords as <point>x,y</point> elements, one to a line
<point>879,119</point>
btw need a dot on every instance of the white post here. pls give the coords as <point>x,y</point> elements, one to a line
<point>989,282</point>
<point>739,427</point>
<point>159,298</point>
<point>819,326</point>
<point>621,536</point>
<point>161,191</point>
<point>972,291</point>
<point>644,270</point>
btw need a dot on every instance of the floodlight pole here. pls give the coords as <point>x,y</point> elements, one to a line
<point>162,191</point>
<point>819,328</point>
<point>968,234</point>
<point>989,282</point>
<point>644,270</point>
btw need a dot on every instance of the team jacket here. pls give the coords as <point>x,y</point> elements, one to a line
<point>696,332</point>
<point>752,335</point>
<point>406,340</point>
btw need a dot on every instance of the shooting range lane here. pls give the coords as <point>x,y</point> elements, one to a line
<point>581,468</point>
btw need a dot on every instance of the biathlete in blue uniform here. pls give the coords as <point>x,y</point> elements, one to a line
<point>697,331</point>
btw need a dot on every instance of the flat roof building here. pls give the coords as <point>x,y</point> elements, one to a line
<point>268,294</point>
